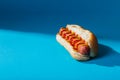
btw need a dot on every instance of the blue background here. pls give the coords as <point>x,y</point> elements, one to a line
<point>28,47</point>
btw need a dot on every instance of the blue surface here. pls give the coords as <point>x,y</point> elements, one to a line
<point>29,50</point>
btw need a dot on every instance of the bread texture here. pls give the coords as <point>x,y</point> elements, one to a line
<point>85,34</point>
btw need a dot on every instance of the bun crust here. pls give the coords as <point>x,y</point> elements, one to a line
<point>88,36</point>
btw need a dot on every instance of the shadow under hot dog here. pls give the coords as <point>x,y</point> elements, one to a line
<point>107,57</point>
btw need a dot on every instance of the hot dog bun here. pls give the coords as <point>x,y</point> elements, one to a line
<point>86,35</point>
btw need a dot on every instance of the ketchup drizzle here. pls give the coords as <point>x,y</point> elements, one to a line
<point>72,38</point>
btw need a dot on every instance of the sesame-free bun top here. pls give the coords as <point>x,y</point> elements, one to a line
<point>88,36</point>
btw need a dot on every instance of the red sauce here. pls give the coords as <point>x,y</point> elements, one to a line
<point>76,41</point>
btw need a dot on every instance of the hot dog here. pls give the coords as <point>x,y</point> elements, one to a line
<point>82,44</point>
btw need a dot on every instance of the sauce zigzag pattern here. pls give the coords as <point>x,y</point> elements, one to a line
<point>75,40</point>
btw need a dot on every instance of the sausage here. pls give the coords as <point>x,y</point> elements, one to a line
<point>77,42</point>
<point>84,49</point>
